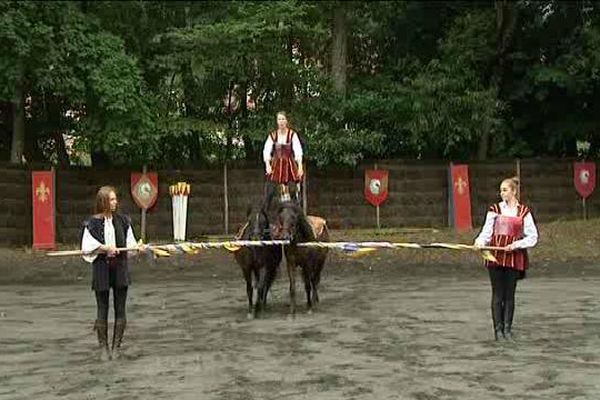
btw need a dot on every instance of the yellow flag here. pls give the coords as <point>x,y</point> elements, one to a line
<point>362,252</point>
<point>187,249</point>
<point>487,255</point>
<point>232,248</point>
<point>160,253</point>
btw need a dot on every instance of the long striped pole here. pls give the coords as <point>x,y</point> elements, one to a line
<point>237,244</point>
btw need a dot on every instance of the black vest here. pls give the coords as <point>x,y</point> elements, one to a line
<point>117,275</point>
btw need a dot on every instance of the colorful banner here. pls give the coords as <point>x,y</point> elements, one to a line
<point>144,189</point>
<point>459,199</point>
<point>584,178</point>
<point>43,213</point>
<point>376,186</point>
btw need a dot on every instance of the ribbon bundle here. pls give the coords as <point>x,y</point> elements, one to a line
<point>179,194</point>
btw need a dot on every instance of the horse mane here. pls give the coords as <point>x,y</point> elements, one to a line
<point>245,231</point>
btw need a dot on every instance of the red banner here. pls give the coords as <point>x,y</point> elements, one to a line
<point>376,186</point>
<point>144,189</point>
<point>585,178</point>
<point>43,198</point>
<point>460,197</point>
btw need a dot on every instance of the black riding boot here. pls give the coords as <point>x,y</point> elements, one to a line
<point>101,328</point>
<point>118,331</point>
<point>497,319</point>
<point>508,319</point>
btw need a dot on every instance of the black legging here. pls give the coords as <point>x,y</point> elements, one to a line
<point>119,300</point>
<point>504,285</point>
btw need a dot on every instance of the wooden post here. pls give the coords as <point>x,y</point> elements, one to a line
<point>226,198</point>
<point>584,208</point>
<point>304,192</point>
<point>143,222</point>
<point>55,216</point>
<point>377,208</point>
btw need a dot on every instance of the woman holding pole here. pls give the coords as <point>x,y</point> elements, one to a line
<point>103,234</point>
<point>510,225</point>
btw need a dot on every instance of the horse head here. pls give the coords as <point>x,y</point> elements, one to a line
<point>257,224</point>
<point>292,224</point>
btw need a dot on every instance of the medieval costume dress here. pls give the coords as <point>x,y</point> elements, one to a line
<point>109,272</point>
<point>504,226</point>
<point>284,153</point>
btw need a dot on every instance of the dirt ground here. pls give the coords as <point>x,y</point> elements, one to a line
<point>385,329</point>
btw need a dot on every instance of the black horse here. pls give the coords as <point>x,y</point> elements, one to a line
<point>262,262</point>
<point>293,225</point>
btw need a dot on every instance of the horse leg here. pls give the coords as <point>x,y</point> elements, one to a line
<point>270,272</point>
<point>291,269</point>
<point>274,259</point>
<point>317,279</point>
<point>315,291</point>
<point>249,289</point>
<point>261,290</point>
<point>306,276</point>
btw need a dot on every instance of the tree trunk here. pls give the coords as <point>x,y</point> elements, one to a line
<point>61,149</point>
<point>229,132</point>
<point>18,134</point>
<point>249,147</point>
<point>506,22</point>
<point>100,158</point>
<point>6,115</point>
<point>339,50</point>
<point>594,150</point>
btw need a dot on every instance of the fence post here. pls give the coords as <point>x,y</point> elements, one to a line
<point>305,190</point>
<point>225,198</point>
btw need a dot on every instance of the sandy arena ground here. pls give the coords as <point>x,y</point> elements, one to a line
<point>384,330</point>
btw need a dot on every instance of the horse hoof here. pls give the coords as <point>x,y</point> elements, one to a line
<point>249,316</point>
<point>309,312</point>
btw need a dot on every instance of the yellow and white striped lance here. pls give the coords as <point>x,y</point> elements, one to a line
<point>361,248</point>
<point>352,248</point>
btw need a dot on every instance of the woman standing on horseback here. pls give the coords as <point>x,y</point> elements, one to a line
<point>282,155</point>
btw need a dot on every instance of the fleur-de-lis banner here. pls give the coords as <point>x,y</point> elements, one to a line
<point>459,198</point>
<point>43,209</point>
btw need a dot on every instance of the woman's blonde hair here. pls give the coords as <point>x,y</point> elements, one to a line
<point>289,123</point>
<point>515,184</point>
<point>103,199</point>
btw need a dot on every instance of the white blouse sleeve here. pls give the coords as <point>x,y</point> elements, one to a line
<point>131,241</point>
<point>530,234</point>
<point>89,245</point>
<point>267,150</point>
<point>485,236</point>
<point>297,147</point>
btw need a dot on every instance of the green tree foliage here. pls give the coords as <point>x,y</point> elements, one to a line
<point>190,83</point>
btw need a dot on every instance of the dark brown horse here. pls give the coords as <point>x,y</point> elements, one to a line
<point>293,225</point>
<point>260,262</point>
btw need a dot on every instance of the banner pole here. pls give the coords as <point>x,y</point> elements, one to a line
<point>143,219</point>
<point>304,190</point>
<point>226,198</point>
<point>377,207</point>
